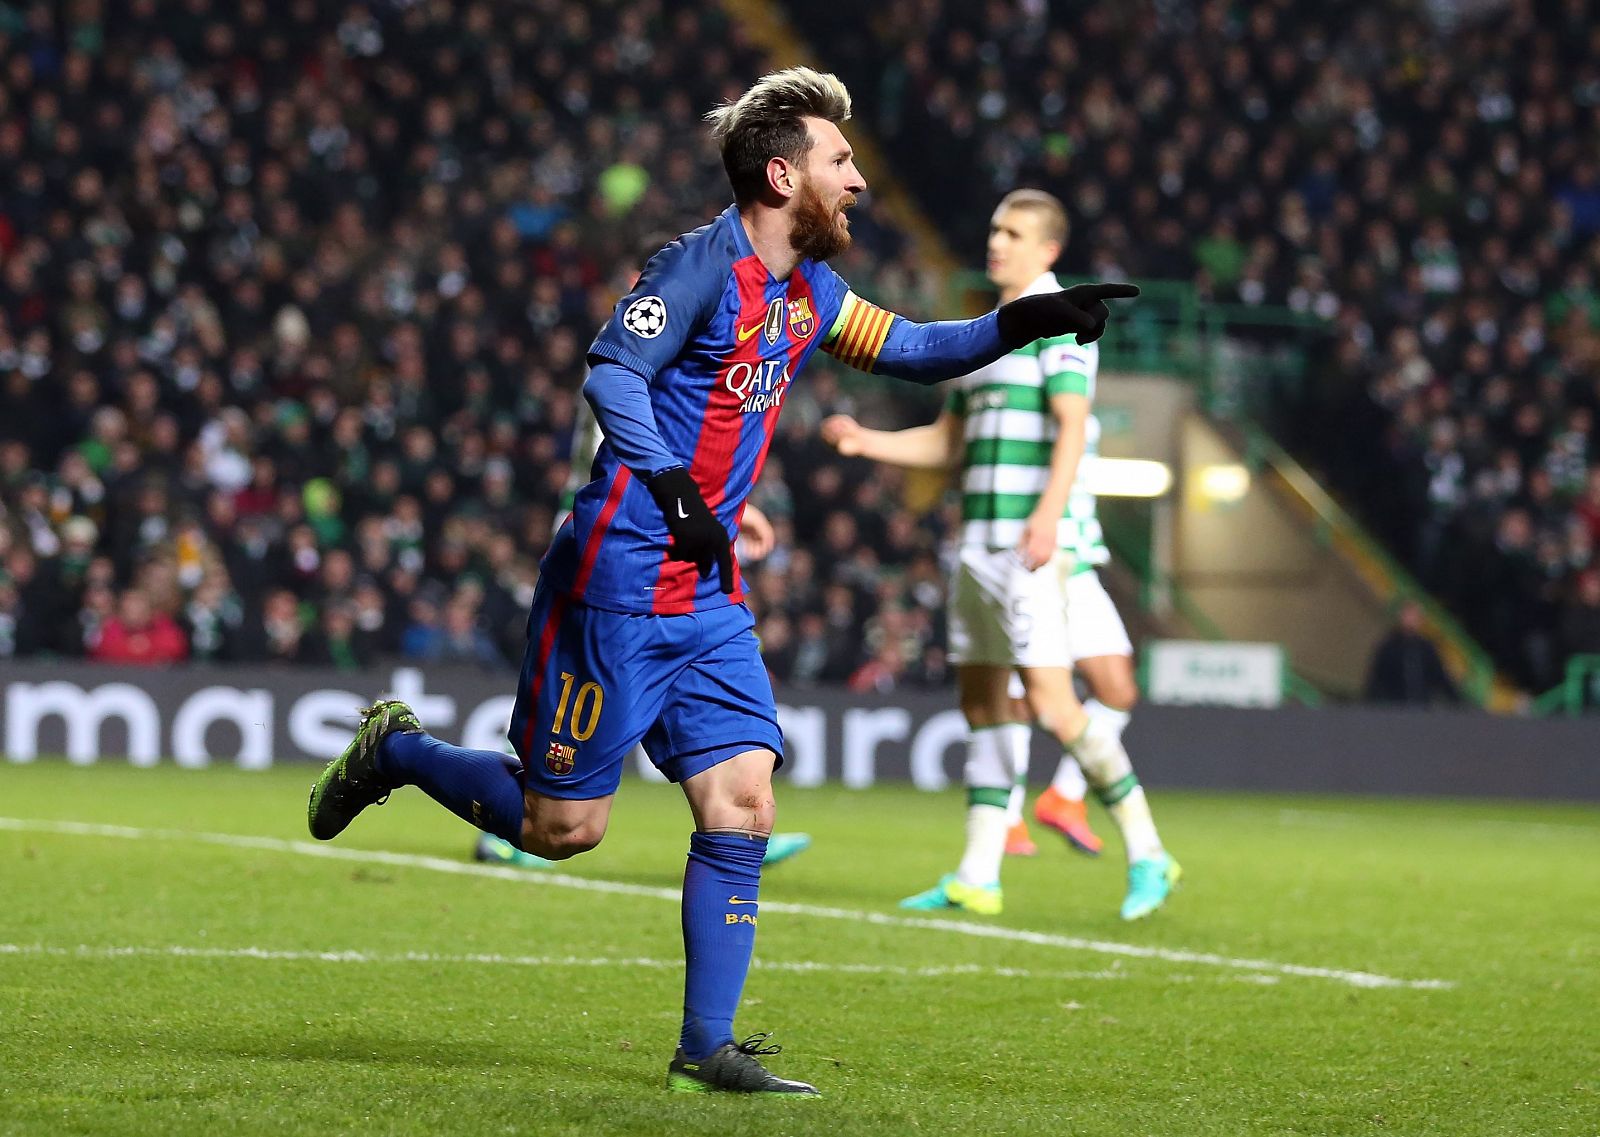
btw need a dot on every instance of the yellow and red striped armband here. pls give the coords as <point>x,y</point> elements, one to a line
<point>859,332</point>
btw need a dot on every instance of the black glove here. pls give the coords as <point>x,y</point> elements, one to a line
<point>697,536</point>
<point>1080,309</point>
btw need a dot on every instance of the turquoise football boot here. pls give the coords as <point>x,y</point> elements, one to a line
<point>1150,882</point>
<point>782,846</point>
<point>498,851</point>
<point>984,900</point>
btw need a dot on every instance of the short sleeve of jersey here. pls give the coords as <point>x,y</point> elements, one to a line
<point>670,303</point>
<point>1068,366</point>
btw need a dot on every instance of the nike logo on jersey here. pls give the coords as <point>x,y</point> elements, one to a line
<point>745,333</point>
<point>681,513</point>
<point>736,900</point>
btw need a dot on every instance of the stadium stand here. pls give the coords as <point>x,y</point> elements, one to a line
<point>293,307</point>
<point>294,296</point>
<point>1426,177</point>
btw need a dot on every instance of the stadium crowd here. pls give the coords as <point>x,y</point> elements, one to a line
<point>293,306</point>
<point>1425,177</point>
<point>294,297</point>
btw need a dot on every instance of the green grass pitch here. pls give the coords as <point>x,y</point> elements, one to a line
<point>1330,967</point>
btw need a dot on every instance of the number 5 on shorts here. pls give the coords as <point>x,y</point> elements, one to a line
<point>585,709</point>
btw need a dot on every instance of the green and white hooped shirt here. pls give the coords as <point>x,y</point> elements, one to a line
<point>1010,433</point>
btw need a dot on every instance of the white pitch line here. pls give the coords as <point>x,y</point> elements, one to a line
<point>1335,819</point>
<point>179,951</point>
<point>587,884</point>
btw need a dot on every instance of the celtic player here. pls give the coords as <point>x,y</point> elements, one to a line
<point>1026,597</point>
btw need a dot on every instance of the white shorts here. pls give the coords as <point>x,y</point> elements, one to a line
<point>1004,615</point>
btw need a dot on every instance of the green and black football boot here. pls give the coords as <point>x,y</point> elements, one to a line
<point>733,1069</point>
<point>352,782</point>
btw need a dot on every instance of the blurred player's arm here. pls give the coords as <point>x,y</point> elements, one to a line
<point>937,446</point>
<point>1038,543</point>
<point>1068,366</point>
<point>586,439</point>
<point>757,537</point>
<point>874,339</point>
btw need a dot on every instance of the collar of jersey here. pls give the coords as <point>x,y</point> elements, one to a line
<point>741,242</point>
<point>1046,282</point>
<point>741,239</point>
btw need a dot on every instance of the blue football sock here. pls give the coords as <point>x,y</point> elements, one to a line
<point>720,886</point>
<point>483,787</point>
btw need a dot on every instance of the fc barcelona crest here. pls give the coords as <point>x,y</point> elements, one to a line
<point>802,321</point>
<point>560,757</point>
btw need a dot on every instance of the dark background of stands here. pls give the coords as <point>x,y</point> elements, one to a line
<point>1424,176</point>
<point>294,297</point>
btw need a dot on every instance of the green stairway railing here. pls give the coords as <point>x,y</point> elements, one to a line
<point>1335,528</point>
<point>1244,360</point>
<point>1239,356</point>
<point>1579,689</point>
<point>1129,541</point>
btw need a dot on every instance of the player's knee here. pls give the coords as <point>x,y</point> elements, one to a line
<point>559,842</point>
<point>1121,694</point>
<point>979,710</point>
<point>759,806</point>
<point>1064,718</point>
<point>749,809</point>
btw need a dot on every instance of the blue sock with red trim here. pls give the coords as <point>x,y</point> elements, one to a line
<point>483,787</point>
<point>721,884</point>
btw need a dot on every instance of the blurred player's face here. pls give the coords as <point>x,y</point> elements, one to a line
<point>828,184</point>
<point>1019,252</point>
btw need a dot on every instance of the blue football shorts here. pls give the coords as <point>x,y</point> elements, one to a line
<point>596,683</point>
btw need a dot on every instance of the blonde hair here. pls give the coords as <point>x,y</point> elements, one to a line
<point>1046,206</point>
<point>766,122</point>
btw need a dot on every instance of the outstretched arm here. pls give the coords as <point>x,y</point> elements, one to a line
<point>936,446</point>
<point>872,339</point>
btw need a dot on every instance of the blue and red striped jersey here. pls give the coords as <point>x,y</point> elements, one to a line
<point>719,340</point>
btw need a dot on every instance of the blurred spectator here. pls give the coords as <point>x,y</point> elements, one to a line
<point>337,642</point>
<point>1406,667</point>
<point>423,638</point>
<point>213,620</point>
<point>293,307</point>
<point>139,635</point>
<point>1580,623</point>
<point>276,634</point>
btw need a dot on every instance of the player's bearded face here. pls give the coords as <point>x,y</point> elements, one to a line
<point>819,230</point>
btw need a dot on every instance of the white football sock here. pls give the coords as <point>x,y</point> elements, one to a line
<point>1014,804</point>
<point>1132,815</point>
<point>1110,718</point>
<point>1108,769</point>
<point>1016,738</point>
<point>986,845</point>
<point>1069,781</point>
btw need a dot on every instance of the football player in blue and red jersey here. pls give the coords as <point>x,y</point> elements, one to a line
<point>639,630</point>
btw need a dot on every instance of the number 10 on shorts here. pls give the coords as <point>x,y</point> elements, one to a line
<point>585,709</point>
